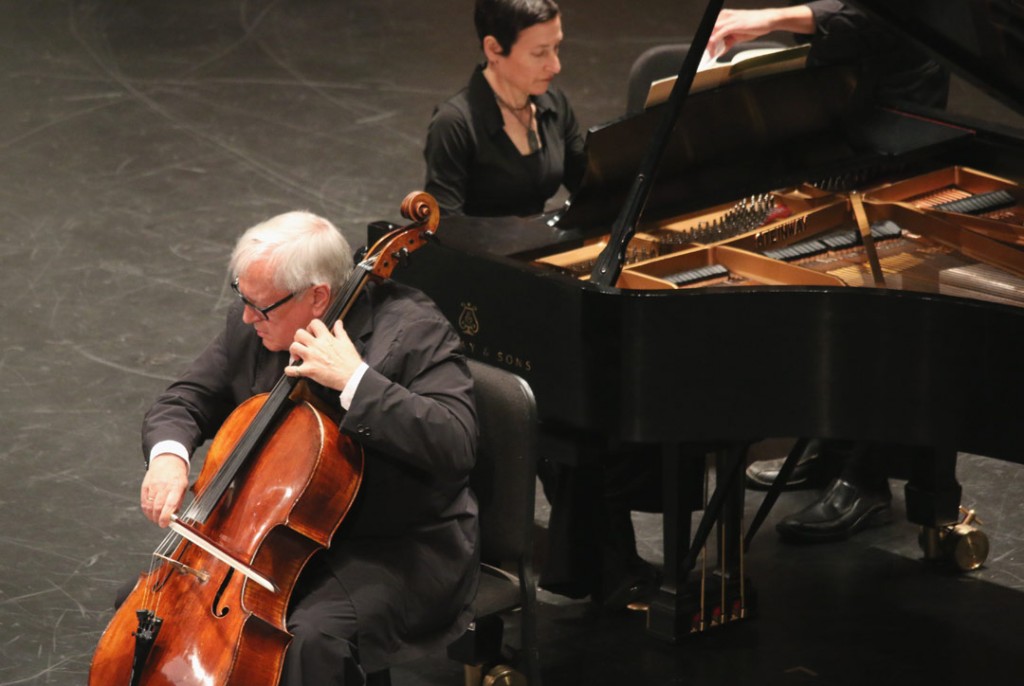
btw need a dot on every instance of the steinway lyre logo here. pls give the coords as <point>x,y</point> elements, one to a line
<point>468,323</point>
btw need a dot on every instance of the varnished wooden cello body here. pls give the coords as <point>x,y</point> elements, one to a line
<point>276,484</point>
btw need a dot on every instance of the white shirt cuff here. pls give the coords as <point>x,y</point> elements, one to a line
<point>172,447</point>
<point>349,392</point>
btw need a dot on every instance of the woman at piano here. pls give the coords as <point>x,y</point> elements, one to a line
<point>508,141</point>
<point>503,146</point>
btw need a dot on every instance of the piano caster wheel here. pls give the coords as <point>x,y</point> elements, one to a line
<point>503,675</point>
<point>962,544</point>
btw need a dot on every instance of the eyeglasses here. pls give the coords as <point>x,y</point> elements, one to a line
<point>263,312</point>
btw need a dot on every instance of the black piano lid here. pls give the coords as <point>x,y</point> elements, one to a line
<point>746,138</point>
<point>980,40</point>
<point>760,135</point>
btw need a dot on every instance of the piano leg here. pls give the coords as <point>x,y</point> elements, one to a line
<point>933,501</point>
<point>932,491</point>
<point>719,593</point>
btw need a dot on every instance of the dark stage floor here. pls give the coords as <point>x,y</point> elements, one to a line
<point>139,137</point>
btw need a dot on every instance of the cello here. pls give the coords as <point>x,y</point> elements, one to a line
<point>277,482</point>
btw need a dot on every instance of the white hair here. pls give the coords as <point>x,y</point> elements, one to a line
<point>301,248</point>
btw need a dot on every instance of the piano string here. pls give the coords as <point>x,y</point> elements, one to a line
<point>911,257</point>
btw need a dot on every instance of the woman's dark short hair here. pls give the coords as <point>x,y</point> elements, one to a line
<point>505,19</point>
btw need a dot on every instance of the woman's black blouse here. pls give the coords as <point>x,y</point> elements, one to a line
<point>474,168</point>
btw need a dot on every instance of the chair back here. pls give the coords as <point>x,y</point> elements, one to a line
<point>505,482</point>
<point>504,478</point>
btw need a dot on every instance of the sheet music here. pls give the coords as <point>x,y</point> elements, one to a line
<point>705,60</point>
<point>744,64</point>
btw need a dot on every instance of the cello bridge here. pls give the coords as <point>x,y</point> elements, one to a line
<point>185,569</point>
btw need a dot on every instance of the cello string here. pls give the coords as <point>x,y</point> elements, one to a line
<point>204,503</point>
<point>275,403</point>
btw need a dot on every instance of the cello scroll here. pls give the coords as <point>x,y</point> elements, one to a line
<point>422,209</point>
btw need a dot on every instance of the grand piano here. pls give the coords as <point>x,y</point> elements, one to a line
<point>809,263</point>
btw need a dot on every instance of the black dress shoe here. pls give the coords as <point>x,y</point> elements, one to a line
<point>842,510</point>
<point>637,586</point>
<point>812,470</point>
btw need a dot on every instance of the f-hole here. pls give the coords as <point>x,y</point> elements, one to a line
<point>220,592</point>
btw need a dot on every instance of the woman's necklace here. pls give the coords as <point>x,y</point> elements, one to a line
<point>527,123</point>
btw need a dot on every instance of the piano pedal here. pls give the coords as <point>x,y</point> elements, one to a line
<point>499,675</point>
<point>962,545</point>
<point>738,603</point>
<point>503,675</point>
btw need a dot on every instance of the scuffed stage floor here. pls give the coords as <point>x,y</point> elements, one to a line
<point>138,139</point>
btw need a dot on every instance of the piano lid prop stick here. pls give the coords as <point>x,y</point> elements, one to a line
<point>609,262</point>
<point>857,203</point>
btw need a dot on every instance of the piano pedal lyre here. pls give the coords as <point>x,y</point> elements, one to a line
<point>724,601</point>
<point>962,544</point>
